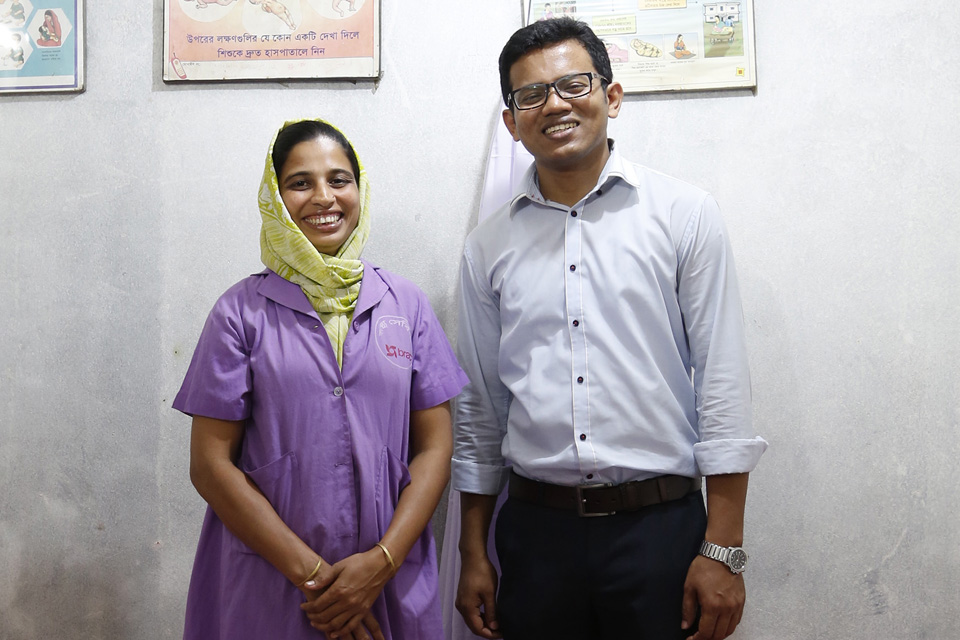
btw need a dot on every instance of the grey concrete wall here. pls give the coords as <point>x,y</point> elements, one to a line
<point>128,209</point>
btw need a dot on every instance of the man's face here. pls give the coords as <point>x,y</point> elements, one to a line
<point>562,134</point>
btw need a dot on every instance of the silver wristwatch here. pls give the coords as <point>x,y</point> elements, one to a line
<point>734,557</point>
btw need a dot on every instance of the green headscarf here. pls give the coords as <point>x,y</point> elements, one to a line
<point>331,283</point>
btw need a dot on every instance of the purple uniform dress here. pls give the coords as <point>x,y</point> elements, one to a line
<point>327,448</point>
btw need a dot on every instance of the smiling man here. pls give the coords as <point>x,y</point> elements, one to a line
<point>600,326</point>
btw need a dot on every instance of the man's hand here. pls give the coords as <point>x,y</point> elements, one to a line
<point>476,597</point>
<point>720,595</point>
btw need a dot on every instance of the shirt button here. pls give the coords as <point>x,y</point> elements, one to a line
<point>589,476</point>
<point>580,379</point>
<point>576,323</point>
<point>316,326</point>
<point>573,213</point>
<point>583,437</point>
<point>338,391</point>
<point>573,267</point>
<point>599,192</point>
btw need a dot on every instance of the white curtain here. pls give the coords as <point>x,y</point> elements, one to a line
<point>507,162</point>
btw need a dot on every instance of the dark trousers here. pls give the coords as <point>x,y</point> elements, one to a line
<point>620,576</point>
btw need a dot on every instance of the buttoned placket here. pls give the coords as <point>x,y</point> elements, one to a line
<point>345,458</point>
<point>321,333</point>
<point>574,281</point>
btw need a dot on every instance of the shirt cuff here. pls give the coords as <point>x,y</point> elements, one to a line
<point>718,457</point>
<point>484,479</point>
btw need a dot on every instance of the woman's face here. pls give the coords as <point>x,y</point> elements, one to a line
<point>48,20</point>
<point>320,192</point>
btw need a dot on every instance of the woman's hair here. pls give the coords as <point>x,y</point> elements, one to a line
<point>293,134</point>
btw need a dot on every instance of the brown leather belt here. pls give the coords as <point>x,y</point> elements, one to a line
<point>602,499</point>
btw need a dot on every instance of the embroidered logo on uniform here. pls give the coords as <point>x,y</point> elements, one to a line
<point>393,340</point>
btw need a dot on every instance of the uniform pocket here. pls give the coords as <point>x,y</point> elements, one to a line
<point>279,481</point>
<point>392,477</point>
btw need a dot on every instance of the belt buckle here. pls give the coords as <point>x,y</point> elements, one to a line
<point>581,500</point>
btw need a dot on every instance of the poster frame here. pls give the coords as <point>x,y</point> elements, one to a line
<point>65,59</point>
<point>724,56</point>
<point>291,49</point>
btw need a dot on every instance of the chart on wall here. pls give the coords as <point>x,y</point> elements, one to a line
<point>41,46</point>
<point>667,45</point>
<point>270,39</point>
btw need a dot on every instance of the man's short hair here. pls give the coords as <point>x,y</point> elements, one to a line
<point>544,33</point>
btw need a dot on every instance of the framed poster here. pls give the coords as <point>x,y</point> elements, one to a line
<point>41,46</point>
<point>667,45</point>
<point>270,39</point>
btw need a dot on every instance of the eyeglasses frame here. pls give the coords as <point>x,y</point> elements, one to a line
<point>511,97</point>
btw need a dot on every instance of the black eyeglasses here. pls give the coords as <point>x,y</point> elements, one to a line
<point>576,85</point>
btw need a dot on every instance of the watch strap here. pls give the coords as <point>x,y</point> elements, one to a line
<point>726,555</point>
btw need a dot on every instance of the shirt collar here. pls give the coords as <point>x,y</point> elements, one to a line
<point>284,292</point>
<point>616,167</point>
<point>372,289</point>
<point>290,295</point>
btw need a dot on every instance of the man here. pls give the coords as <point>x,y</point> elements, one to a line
<point>586,302</point>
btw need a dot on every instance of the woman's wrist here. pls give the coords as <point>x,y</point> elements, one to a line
<point>308,567</point>
<point>313,574</point>
<point>388,556</point>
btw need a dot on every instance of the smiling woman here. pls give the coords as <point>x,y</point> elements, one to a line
<point>318,184</point>
<point>322,453</point>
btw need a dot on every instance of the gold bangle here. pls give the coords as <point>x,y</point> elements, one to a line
<point>313,574</point>
<point>389,557</point>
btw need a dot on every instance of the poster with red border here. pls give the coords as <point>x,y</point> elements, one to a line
<point>270,39</point>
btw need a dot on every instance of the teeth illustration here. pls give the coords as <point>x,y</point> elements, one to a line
<point>646,49</point>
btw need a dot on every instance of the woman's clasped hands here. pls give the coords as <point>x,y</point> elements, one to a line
<point>340,596</point>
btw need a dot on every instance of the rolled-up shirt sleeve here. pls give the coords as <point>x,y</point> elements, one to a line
<point>481,414</point>
<point>713,319</point>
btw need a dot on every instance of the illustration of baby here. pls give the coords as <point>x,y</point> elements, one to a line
<point>278,9</point>
<point>646,49</point>
<point>17,14</point>
<point>223,3</point>
<point>15,54</point>
<point>337,3</point>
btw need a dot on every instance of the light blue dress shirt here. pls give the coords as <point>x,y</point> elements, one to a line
<point>604,342</point>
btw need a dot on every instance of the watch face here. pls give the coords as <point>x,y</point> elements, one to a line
<point>738,560</point>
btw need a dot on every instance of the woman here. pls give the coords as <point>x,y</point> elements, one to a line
<point>49,30</point>
<point>314,383</point>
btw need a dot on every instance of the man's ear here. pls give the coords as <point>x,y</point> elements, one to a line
<point>511,124</point>
<point>614,99</point>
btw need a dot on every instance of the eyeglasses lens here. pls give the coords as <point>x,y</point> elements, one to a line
<point>567,87</point>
